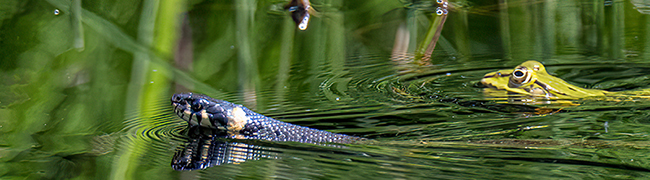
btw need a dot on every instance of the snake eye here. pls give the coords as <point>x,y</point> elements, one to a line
<point>197,105</point>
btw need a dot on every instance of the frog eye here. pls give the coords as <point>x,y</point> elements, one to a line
<point>519,76</point>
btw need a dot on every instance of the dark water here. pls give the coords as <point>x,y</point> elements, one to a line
<point>85,92</point>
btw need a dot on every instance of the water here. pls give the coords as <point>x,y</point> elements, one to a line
<point>85,91</point>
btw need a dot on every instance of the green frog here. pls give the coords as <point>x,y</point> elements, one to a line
<point>530,79</point>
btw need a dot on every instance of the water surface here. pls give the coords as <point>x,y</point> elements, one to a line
<point>85,91</point>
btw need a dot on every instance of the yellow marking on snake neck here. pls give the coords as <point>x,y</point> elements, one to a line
<point>236,120</point>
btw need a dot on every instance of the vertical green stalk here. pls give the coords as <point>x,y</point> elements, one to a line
<point>315,42</point>
<point>125,165</point>
<point>246,64</point>
<point>590,36</point>
<point>149,81</point>
<point>336,39</point>
<point>618,30</point>
<point>595,38</point>
<point>646,50</point>
<point>522,31</point>
<point>412,24</point>
<point>335,53</point>
<point>461,33</point>
<point>549,27</point>
<point>433,33</point>
<point>77,28</point>
<point>141,58</point>
<point>167,29</point>
<point>536,36</point>
<point>599,18</point>
<point>504,19</point>
<point>284,66</point>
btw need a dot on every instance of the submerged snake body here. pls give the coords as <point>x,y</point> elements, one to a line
<point>242,123</point>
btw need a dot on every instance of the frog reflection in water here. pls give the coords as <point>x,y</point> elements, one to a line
<point>530,79</point>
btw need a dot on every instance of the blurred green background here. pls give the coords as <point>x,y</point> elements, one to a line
<point>85,86</point>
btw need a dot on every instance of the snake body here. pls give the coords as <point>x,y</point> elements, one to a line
<point>240,122</point>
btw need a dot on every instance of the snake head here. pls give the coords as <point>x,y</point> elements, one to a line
<point>201,110</point>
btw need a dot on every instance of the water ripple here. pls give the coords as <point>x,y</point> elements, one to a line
<point>156,129</point>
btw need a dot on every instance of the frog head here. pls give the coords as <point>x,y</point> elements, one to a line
<point>531,79</point>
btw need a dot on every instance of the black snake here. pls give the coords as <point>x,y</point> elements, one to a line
<point>241,123</point>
